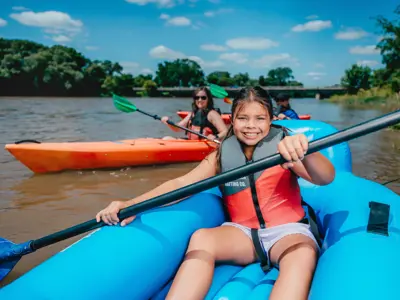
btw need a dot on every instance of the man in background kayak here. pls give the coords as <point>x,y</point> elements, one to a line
<point>284,110</point>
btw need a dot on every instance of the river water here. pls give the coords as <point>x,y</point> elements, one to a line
<point>32,206</point>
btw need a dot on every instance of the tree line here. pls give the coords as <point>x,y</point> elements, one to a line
<point>32,69</point>
<point>361,78</point>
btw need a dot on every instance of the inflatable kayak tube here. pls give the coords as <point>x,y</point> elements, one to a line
<point>359,257</point>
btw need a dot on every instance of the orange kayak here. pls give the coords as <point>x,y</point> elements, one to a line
<point>227,117</point>
<point>54,157</point>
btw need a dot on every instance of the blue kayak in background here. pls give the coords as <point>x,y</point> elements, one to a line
<point>359,257</point>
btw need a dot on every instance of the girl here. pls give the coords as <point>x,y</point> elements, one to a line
<point>264,208</point>
<point>203,119</point>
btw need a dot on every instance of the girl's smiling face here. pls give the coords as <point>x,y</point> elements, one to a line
<point>251,123</point>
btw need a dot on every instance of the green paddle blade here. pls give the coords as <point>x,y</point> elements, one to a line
<point>218,91</point>
<point>123,104</point>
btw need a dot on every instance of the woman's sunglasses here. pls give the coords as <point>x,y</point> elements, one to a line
<point>200,97</point>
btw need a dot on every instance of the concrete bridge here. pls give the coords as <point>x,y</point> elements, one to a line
<point>294,91</point>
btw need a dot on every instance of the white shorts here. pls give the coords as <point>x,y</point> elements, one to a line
<point>269,236</point>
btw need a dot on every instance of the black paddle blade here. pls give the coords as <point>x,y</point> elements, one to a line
<point>10,254</point>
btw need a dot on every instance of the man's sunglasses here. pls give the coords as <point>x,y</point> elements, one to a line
<point>200,97</point>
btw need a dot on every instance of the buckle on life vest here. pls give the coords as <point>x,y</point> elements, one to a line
<point>310,218</point>
<point>265,261</point>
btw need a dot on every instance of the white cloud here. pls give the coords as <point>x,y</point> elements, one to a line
<point>236,57</point>
<point>53,31</point>
<point>220,11</point>
<point>316,78</point>
<point>192,3</point>
<point>312,17</point>
<point>275,60</point>
<point>317,25</point>
<point>176,21</point>
<point>179,21</point>
<point>130,66</point>
<point>351,34</point>
<point>213,47</point>
<point>146,71</point>
<point>162,52</point>
<point>61,39</point>
<point>319,65</point>
<point>62,25</point>
<point>165,53</point>
<point>91,48</point>
<point>3,22</point>
<point>251,43</point>
<point>198,25</point>
<point>159,3</point>
<point>19,8</point>
<point>364,50</point>
<point>164,17</point>
<point>315,74</point>
<point>206,64</point>
<point>48,19</point>
<point>369,63</point>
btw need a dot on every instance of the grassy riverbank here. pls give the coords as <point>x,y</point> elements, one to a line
<point>374,97</point>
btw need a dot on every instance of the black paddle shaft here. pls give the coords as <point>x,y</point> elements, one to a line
<point>262,164</point>
<point>156,117</point>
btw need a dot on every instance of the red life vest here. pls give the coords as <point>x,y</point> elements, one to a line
<point>266,198</point>
<point>199,122</point>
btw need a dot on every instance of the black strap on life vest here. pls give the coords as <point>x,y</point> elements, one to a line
<point>310,218</point>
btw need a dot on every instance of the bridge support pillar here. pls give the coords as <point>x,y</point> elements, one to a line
<point>318,96</point>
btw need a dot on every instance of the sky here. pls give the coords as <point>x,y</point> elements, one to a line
<point>317,39</point>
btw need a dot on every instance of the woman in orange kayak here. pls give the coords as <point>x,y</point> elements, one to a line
<point>204,118</point>
<point>267,220</point>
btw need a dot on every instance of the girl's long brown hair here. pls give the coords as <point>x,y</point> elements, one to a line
<point>245,95</point>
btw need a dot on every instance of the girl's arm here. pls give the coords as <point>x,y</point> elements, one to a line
<point>216,119</point>
<point>205,169</point>
<point>182,123</point>
<point>314,168</point>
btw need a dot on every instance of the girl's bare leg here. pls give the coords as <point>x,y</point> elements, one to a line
<point>194,277</point>
<point>297,258</point>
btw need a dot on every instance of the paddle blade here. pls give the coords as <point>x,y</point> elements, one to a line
<point>123,104</point>
<point>227,100</point>
<point>9,256</point>
<point>217,91</point>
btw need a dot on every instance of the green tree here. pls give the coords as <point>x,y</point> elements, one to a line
<point>294,83</point>
<point>356,78</point>
<point>279,76</point>
<point>141,79</point>
<point>180,72</point>
<point>241,79</point>
<point>390,43</point>
<point>221,78</point>
<point>380,77</point>
<point>150,87</point>
<point>261,80</point>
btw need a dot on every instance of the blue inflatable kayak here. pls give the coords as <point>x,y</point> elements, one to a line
<point>360,253</point>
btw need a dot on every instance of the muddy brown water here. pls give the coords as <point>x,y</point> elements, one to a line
<point>32,206</point>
